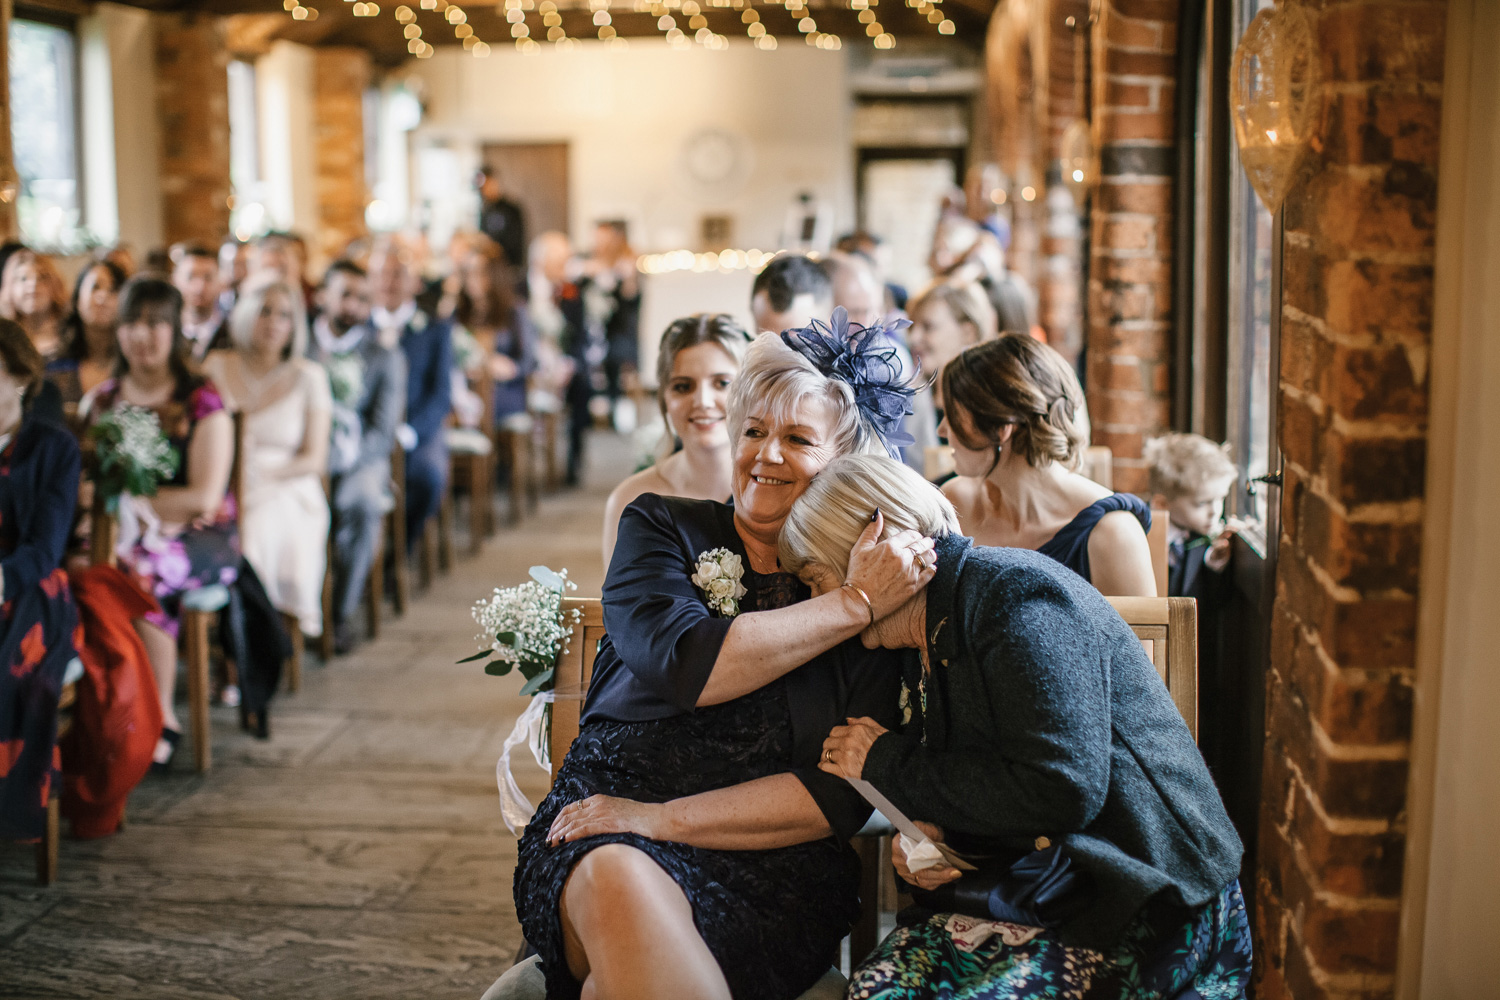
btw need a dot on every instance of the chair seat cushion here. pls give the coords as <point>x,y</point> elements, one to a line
<point>524,981</point>
<point>214,597</point>
<point>466,441</point>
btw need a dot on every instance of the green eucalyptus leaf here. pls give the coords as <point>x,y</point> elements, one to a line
<point>497,668</point>
<point>483,653</point>
<point>538,682</point>
<point>506,639</point>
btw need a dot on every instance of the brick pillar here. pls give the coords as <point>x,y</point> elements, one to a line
<point>341,76</point>
<point>1356,325</point>
<point>192,98</point>
<point>1130,256</point>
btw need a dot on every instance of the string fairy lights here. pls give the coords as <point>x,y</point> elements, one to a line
<point>681,22</point>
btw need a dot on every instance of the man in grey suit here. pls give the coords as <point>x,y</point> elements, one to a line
<point>369,403</point>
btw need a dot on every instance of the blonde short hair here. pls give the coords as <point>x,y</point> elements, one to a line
<point>967,302</point>
<point>1183,464</point>
<point>829,517</point>
<point>776,379</point>
<point>247,309</point>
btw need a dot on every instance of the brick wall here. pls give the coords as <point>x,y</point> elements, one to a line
<point>1059,284</point>
<point>1130,268</point>
<point>1356,323</point>
<point>192,97</point>
<point>341,76</point>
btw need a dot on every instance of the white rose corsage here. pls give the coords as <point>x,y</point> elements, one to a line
<point>718,576</point>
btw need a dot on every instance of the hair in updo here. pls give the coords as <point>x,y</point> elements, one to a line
<point>776,378</point>
<point>1021,382</point>
<point>835,509</point>
<point>719,329</point>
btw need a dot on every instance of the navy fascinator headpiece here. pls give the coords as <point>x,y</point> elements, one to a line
<point>865,359</point>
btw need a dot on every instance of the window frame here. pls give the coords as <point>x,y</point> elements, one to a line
<point>64,15</point>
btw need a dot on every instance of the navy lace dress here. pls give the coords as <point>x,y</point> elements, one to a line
<point>773,918</point>
<point>1070,546</point>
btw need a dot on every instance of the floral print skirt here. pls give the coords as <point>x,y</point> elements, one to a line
<point>951,957</point>
<point>170,567</point>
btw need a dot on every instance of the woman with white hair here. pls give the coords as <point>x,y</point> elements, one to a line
<point>690,847</point>
<point>287,408</point>
<point>1039,742</point>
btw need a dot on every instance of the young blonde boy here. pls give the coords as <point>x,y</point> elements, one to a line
<point>1191,476</point>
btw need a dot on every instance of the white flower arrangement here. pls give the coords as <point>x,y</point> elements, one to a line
<point>718,576</point>
<point>524,627</point>
<point>346,378</point>
<point>131,452</point>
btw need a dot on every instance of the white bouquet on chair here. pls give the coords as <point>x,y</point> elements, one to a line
<point>132,455</point>
<point>524,628</point>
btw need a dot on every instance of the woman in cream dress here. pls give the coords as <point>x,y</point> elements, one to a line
<point>287,408</point>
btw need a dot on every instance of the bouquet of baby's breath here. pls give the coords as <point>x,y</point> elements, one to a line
<point>131,453</point>
<point>524,628</point>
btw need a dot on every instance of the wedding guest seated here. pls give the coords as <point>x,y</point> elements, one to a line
<point>947,318</point>
<point>689,846</point>
<point>89,341</point>
<point>1191,477</point>
<point>196,276</point>
<point>38,487</point>
<point>486,308</point>
<point>1012,417</point>
<point>184,536</point>
<point>286,407</point>
<point>790,292</point>
<point>428,346</point>
<point>695,364</point>
<point>573,340</point>
<point>32,294</point>
<point>368,384</point>
<point>234,265</point>
<point>1042,746</point>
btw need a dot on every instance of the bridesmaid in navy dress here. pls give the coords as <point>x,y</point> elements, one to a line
<point>1014,415</point>
<point>38,489</point>
<point>690,846</point>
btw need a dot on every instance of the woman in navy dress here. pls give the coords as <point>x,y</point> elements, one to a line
<point>38,489</point>
<point>689,846</point>
<point>1014,413</point>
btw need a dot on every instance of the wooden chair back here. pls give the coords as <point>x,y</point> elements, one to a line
<point>1170,625</point>
<point>575,668</point>
<point>1099,465</point>
<point>1156,540</point>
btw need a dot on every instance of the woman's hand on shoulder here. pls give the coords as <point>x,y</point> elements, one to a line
<point>846,747</point>
<point>599,814</point>
<point>927,878</point>
<point>893,570</point>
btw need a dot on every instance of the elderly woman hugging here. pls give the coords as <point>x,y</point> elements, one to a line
<point>690,846</point>
<point>1041,745</point>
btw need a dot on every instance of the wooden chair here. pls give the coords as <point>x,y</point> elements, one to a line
<point>1156,540</point>
<point>515,450</point>
<point>47,847</point>
<point>1170,624</point>
<point>1099,465</point>
<point>392,533</point>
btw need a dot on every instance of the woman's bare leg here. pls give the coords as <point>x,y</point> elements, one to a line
<point>629,934</point>
<point>161,649</point>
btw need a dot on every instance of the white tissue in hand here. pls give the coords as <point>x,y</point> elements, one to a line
<point>922,855</point>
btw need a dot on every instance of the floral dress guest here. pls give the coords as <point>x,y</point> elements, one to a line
<point>185,537</point>
<point>690,846</point>
<point>38,487</point>
<point>1041,743</point>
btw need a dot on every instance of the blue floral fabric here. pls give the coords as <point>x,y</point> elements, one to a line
<point>1206,958</point>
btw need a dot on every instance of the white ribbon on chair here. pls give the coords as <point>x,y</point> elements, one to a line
<point>515,808</point>
<point>138,524</point>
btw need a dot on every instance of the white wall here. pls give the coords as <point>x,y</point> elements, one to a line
<point>284,92</point>
<point>1451,905</point>
<point>629,115</point>
<point>121,137</point>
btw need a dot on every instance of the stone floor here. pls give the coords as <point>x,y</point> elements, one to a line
<point>358,853</point>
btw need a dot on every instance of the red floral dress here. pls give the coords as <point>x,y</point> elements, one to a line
<point>204,553</point>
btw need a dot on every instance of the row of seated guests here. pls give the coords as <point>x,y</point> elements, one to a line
<point>989,692</point>
<point>1013,410</point>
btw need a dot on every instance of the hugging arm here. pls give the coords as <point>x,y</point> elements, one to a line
<point>676,648</point>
